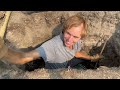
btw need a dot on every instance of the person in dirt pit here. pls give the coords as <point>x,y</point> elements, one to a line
<point>62,51</point>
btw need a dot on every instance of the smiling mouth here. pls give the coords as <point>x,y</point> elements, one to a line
<point>68,43</point>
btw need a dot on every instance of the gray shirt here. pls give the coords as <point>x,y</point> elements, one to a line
<point>56,54</point>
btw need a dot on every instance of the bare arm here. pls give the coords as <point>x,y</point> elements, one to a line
<point>93,58</point>
<point>82,55</point>
<point>17,57</point>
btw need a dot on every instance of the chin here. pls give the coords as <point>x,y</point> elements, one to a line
<point>68,45</point>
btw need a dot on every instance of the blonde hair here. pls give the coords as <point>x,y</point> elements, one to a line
<point>75,21</point>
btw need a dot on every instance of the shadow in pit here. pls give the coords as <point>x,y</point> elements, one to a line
<point>110,52</point>
<point>31,66</point>
<point>112,48</point>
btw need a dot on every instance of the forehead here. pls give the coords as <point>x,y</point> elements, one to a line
<point>81,26</point>
<point>76,28</point>
<point>75,31</point>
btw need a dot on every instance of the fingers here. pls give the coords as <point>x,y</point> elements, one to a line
<point>95,58</point>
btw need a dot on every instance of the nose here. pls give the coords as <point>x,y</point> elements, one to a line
<point>70,39</point>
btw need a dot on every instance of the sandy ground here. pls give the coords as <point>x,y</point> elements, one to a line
<point>101,73</point>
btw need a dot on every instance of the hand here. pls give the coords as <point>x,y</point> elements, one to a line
<point>3,48</point>
<point>96,58</point>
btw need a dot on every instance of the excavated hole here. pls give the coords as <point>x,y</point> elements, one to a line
<point>36,64</point>
<point>109,59</point>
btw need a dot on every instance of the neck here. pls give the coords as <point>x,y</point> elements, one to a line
<point>71,47</point>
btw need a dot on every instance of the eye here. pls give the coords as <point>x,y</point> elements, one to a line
<point>68,33</point>
<point>76,37</point>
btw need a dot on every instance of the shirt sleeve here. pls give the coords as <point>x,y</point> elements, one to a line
<point>46,51</point>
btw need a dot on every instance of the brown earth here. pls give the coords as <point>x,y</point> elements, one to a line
<point>27,30</point>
